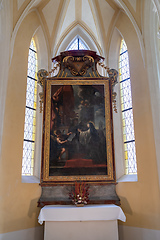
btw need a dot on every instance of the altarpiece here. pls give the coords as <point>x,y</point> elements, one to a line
<point>78,129</point>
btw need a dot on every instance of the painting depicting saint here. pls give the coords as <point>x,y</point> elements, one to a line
<point>77,130</point>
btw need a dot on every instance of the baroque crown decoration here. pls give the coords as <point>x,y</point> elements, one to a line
<point>78,63</point>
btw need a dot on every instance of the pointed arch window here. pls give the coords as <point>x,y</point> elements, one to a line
<point>77,44</point>
<point>30,112</point>
<point>127,112</point>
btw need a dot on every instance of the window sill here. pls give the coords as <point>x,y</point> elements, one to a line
<point>128,178</point>
<point>30,179</point>
<point>124,178</point>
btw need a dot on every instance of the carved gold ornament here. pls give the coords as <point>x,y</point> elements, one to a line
<point>42,74</point>
<point>78,65</point>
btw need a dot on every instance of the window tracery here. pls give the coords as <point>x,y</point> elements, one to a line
<point>127,111</point>
<point>77,44</point>
<point>30,112</point>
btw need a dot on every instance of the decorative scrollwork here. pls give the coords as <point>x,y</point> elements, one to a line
<point>113,74</point>
<point>78,65</point>
<point>114,94</point>
<point>42,74</point>
<point>54,69</point>
<point>41,101</point>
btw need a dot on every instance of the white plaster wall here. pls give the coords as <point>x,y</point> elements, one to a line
<point>153,68</point>
<point>43,58</point>
<point>113,59</point>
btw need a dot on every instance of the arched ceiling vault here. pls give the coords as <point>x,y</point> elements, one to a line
<point>97,18</point>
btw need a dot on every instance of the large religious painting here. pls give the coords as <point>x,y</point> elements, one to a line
<point>78,131</point>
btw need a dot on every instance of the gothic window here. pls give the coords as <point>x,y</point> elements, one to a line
<point>30,113</point>
<point>77,44</point>
<point>127,112</point>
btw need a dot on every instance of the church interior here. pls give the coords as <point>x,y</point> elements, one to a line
<point>99,25</point>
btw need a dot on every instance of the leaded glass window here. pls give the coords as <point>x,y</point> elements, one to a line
<point>127,112</point>
<point>30,112</point>
<point>78,44</point>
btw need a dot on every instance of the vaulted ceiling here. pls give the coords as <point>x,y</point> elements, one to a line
<point>95,19</point>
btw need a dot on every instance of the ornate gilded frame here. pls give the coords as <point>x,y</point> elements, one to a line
<point>110,176</point>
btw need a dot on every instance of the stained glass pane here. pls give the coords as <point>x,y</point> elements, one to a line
<point>131,165</point>
<point>82,45</point>
<point>30,113</point>
<point>74,45</point>
<point>28,158</point>
<point>126,98</point>
<point>29,127</point>
<point>77,44</point>
<point>127,112</point>
<point>128,127</point>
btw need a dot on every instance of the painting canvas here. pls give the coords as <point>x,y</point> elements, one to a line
<point>77,120</point>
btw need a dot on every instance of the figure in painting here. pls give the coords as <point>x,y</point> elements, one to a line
<point>60,144</point>
<point>90,143</point>
<point>89,136</point>
<point>62,106</point>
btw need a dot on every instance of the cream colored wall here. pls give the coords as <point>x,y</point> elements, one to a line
<point>18,200</point>
<point>140,200</point>
<point>66,39</point>
<point>5,35</point>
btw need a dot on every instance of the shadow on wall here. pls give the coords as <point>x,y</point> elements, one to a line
<point>34,210</point>
<point>126,207</point>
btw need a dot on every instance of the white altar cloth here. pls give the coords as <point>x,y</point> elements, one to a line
<point>68,222</point>
<point>86,213</point>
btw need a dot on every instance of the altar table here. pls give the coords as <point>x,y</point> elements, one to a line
<point>91,222</point>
